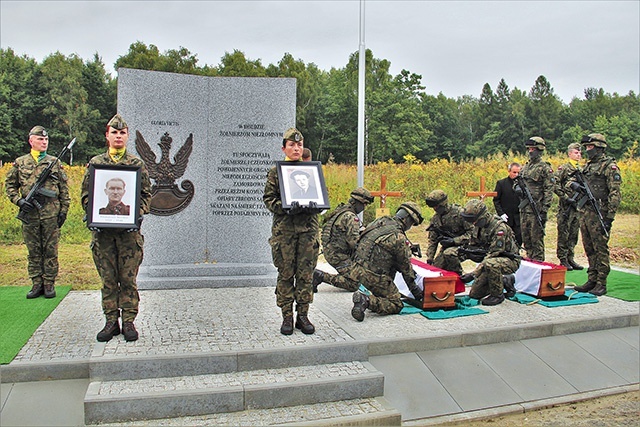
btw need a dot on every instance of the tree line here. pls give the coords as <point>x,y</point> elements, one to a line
<point>73,97</point>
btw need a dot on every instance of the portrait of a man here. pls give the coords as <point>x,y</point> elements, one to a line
<point>304,187</point>
<point>115,189</point>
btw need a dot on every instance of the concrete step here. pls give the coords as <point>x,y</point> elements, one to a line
<point>159,398</point>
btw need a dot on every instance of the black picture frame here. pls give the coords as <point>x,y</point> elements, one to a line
<point>292,190</point>
<point>99,213</point>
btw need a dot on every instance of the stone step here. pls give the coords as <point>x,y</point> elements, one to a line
<point>160,398</point>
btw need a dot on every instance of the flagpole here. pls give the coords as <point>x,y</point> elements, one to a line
<point>361,88</point>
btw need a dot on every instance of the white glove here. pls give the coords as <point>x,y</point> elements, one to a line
<point>505,217</point>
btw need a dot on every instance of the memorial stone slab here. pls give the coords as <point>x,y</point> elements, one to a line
<point>235,127</point>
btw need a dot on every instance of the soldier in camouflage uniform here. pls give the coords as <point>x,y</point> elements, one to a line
<point>568,223</point>
<point>294,244</point>
<point>382,251</point>
<point>340,234</point>
<point>447,228</point>
<point>117,252</point>
<point>603,176</point>
<point>537,175</point>
<point>42,232</point>
<point>494,235</point>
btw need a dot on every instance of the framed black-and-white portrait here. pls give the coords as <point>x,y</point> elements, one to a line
<point>114,196</point>
<point>302,182</point>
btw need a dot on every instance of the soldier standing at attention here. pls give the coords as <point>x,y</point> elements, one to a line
<point>340,234</point>
<point>507,201</point>
<point>42,232</point>
<point>447,228</point>
<point>537,176</point>
<point>294,244</point>
<point>117,252</point>
<point>603,176</point>
<point>568,223</point>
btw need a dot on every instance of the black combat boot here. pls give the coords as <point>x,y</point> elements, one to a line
<point>303,323</point>
<point>129,331</point>
<point>493,300</point>
<point>566,264</point>
<point>287,325</point>
<point>318,277</point>
<point>36,290</point>
<point>508,283</point>
<point>49,289</point>
<point>586,287</point>
<point>360,304</point>
<point>574,264</point>
<point>599,290</point>
<point>111,329</point>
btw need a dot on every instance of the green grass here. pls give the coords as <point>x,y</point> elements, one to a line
<point>20,317</point>
<point>621,285</point>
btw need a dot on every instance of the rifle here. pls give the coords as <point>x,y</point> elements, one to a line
<point>38,188</point>
<point>478,254</point>
<point>441,231</point>
<point>524,190</point>
<point>582,187</point>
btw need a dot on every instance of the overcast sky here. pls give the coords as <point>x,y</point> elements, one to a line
<point>457,46</point>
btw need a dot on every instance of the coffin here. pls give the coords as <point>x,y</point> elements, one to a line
<point>438,286</point>
<point>541,279</point>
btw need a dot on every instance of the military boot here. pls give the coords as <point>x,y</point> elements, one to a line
<point>49,289</point>
<point>360,304</point>
<point>287,324</point>
<point>587,287</point>
<point>508,283</point>
<point>36,290</point>
<point>318,277</point>
<point>599,290</point>
<point>574,264</point>
<point>111,329</point>
<point>493,300</point>
<point>566,264</point>
<point>129,331</point>
<point>303,323</point>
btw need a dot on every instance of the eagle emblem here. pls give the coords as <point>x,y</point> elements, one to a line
<point>166,198</point>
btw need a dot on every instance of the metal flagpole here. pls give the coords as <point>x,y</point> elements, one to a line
<point>361,87</point>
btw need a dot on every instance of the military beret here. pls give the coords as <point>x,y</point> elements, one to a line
<point>117,122</point>
<point>38,130</point>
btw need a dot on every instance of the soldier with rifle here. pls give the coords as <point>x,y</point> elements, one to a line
<point>448,229</point>
<point>598,189</point>
<point>534,186</point>
<point>37,183</point>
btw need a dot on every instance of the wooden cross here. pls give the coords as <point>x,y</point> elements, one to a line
<point>383,194</point>
<point>483,192</point>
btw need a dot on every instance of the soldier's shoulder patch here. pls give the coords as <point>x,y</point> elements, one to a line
<point>356,219</point>
<point>14,164</point>
<point>614,167</point>
<point>500,233</point>
<point>560,167</point>
<point>407,242</point>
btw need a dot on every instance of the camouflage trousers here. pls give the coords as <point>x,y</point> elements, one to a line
<point>342,279</point>
<point>295,256</point>
<point>448,259</point>
<point>568,229</point>
<point>41,238</point>
<point>532,236</point>
<point>385,298</point>
<point>596,247</point>
<point>489,281</point>
<point>117,256</point>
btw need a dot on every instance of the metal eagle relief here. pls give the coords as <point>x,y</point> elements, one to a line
<point>166,198</point>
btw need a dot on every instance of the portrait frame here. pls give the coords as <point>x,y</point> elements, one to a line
<point>290,191</point>
<point>99,176</point>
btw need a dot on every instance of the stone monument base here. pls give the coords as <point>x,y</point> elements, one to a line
<point>220,275</point>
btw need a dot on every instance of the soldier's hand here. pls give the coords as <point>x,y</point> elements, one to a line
<point>430,261</point>
<point>447,242</point>
<point>294,209</point>
<point>25,206</point>
<point>62,217</point>
<point>312,209</point>
<point>467,277</point>
<point>504,217</point>
<point>608,223</point>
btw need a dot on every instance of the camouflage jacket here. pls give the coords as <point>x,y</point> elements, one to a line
<point>126,160</point>
<point>562,176</point>
<point>384,249</point>
<point>496,237</point>
<point>282,223</point>
<point>538,176</point>
<point>23,175</point>
<point>450,222</point>
<point>604,179</point>
<point>340,234</point>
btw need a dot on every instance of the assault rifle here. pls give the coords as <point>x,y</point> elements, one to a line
<point>527,199</point>
<point>476,254</point>
<point>38,188</point>
<point>581,187</point>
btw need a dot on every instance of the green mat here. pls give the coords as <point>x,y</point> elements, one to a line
<point>621,285</point>
<point>20,317</point>
<point>464,307</point>
<point>570,297</point>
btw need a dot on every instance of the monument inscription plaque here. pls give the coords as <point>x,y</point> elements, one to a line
<point>235,128</point>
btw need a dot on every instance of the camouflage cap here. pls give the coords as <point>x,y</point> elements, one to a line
<point>362,195</point>
<point>117,122</point>
<point>473,210</point>
<point>38,130</point>
<point>596,139</point>
<point>574,146</point>
<point>413,210</point>
<point>292,134</point>
<point>435,198</point>
<point>537,142</point>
